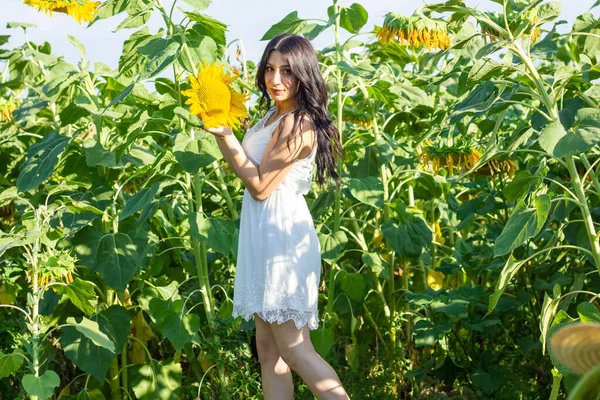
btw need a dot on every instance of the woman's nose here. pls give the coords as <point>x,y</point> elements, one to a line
<point>276,77</point>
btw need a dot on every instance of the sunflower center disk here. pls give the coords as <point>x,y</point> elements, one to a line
<point>214,95</point>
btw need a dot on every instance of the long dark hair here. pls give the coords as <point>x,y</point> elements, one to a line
<point>311,98</point>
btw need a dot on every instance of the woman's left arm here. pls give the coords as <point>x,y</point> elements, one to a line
<point>263,179</point>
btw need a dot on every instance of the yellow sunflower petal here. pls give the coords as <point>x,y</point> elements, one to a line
<point>79,10</point>
<point>211,98</point>
<point>238,109</point>
<point>435,280</point>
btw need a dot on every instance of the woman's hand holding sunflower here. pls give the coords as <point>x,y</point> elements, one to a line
<point>220,131</point>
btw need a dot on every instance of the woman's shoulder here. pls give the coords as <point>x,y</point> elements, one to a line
<point>303,118</point>
<point>305,123</point>
<point>303,131</point>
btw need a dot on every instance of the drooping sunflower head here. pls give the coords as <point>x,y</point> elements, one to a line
<point>79,10</point>
<point>59,265</point>
<point>212,100</point>
<point>415,31</point>
<point>498,166</point>
<point>361,119</point>
<point>7,106</point>
<point>461,157</point>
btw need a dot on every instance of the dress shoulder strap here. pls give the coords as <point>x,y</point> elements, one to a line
<point>269,114</point>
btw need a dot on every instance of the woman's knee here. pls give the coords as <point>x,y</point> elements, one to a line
<point>267,351</point>
<point>297,356</point>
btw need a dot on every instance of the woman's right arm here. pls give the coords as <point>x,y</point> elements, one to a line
<point>261,180</point>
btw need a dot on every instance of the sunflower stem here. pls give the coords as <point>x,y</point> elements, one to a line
<point>585,211</point>
<point>338,192</point>
<point>36,295</point>
<point>113,372</point>
<point>340,123</point>
<point>390,302</point>
<point>186,50</point>
<point>124,373</point>
<point>405,286</point>
<point>592,173</point>
<point>537,81</point>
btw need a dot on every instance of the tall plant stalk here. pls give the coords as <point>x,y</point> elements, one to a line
<point>551,105</point>
<point>113,370</point>
<point>35,307</point>
<point>340,106</point>
<point>390,304</point>
<point>340,125</point>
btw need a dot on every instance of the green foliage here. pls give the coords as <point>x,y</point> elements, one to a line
<point>41,387</point>
<point>43,157</point>
<point>10,363</point>
<point>174,321</point>
<point>290,24</point>
<point>81,293</point>
<point>559,142</point>
<point>332,245</point>
<point>352,18</point>
<point>156,380</point>
<point>368,190</point>
<point>523,224</point>
<point>116,257</point>
<point>119,217</point>
<point>113,324</point>
<point>195,153</point>
<point>408,239</point>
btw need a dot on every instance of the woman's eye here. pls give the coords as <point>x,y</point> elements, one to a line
<point>287,71</point>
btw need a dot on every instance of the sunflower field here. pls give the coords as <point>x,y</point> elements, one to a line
<point>463,240</point>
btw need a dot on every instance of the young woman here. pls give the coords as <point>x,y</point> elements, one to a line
<point>279,260</point>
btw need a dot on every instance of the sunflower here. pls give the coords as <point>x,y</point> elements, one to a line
<point>49,278</point>
<point>460,157</point>
<point>79,10</point>
<point>415,31</point>
<point>6,109</point>
<point>54,267</point>
<point>359,119</point>
<point>435,279</point>
<point>496,166</point>
<point>212,100</point>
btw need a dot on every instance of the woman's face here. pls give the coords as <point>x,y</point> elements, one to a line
<point>282,85</point>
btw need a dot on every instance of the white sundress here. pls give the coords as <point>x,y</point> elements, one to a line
<point>279,256</point>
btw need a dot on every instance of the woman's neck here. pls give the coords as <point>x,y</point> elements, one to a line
<point>284,107</point>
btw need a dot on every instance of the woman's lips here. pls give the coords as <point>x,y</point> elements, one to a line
<point>276,91</point>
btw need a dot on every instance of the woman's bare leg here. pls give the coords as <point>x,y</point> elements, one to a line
<point>297,351</point>
<point>276,375</point>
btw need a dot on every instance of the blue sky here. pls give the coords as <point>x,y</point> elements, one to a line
<point>246,19</point>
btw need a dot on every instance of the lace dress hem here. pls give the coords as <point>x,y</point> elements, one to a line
<point>300,318</point>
